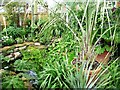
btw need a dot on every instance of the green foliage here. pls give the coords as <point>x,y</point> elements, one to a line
<point>114,72</point>
<point>52,75</point>
<point>117,36</point>
<point>117,15</point>
<point>11,13</point>
<point>21,65</point>
<point>66,46</point>
<point>35,56</point>
<point>112,75</point>
<point>46,37</point>
<point>12,82</point>
<point>28,23</point>
<point>19,40</point>
<point>41,22</point>
<point>4,59</point>
<point>77,79</point>
<point>14,32</point>
<point>99,49</point>
<point>7,40</point>
<point>33,52</point>
<point>60,74</point>
<point>53,28</point>
<point>76,8</point>
<point>53,64</point>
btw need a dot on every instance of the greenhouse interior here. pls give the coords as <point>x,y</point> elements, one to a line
<point>59,44</point>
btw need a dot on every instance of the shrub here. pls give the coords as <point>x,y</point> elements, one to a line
<point>19,40</point>
<point>7,40</point>
<point>14,32</point>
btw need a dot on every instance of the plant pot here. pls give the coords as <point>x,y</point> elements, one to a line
<point>92,73</point>
<point>103,58</point>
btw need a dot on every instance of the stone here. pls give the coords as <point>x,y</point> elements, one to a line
<point>22,48</point>
<point>12,73</point>
<point>16,49</point>
<point>10,56</point>
<point>24,79</point>
<point>37,44</point>
<point>12,59</point>
<point>0,41</point>
<point>17,54</point>
<point>1,71</point>
<point>6,67</point>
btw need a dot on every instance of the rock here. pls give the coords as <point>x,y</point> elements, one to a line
<point>17,55</point>
<point>24,79</point>
<point>37,44</point>
<point>12,73</point>
<point>19,45</point>
<point>0,41</point>
<point>10,56</point>
<point>32,74</point>
<point>29,43</point>
<point>22,48</point>
<point>28,85</point>
<point>6,67</point>
<point>16,49</point>
<point>1,71</point>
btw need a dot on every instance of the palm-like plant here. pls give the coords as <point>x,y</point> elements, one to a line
<point>88,55</point>
<point>81,76</point>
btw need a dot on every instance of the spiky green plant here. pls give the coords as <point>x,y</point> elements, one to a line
<point>81,78</point>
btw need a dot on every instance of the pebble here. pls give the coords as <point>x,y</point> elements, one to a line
<point>37,44</point>
<point>16,49</point>
<point>17,54</point>
<point>10,56</point>
<point>22,48</point>
<point>1,71</point>
<point>6,67</point>
<point>0,41</point>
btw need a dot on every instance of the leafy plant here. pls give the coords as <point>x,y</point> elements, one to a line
<point>28,23</point>
<point>117,36</point>
<point>99,49</point>
<point>35,56</point>
<point>4,59</point>
<point>12,82</point>
<point>63,75</point>
<point>114,72</point>
<point>14,32</point>
<point>11,13</point>
<point>112,75</point>
<point>7,40</point>
<point>19,40</point>
<point>52,65</point>
<point>52,76</point>
<point>21,65</point>
<point>52,28</point>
